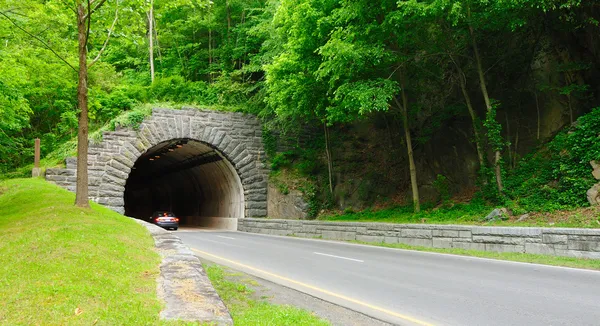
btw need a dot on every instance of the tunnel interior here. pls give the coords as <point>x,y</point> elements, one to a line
<point>187,177</point>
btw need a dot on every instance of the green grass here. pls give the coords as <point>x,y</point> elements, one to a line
<point>247,310</point>
<point>56,259</point>
<point>458,213</point>
<point>470,214</point>
<point>512,256</point>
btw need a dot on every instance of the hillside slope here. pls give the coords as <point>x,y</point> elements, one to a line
<point>64,265</point>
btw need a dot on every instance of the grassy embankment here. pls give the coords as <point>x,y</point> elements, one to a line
<point>63,265</point>
<point>247,309</point>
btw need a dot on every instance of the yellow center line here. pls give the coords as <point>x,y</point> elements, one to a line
<point>312,287</point>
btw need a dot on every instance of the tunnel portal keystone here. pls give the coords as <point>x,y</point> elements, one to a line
<point>235,136</point>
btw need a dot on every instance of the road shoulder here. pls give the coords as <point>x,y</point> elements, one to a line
<point>264,290</point>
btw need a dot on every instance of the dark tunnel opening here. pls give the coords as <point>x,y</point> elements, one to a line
<point>189,178</point>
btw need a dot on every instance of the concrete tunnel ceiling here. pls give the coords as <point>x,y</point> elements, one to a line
<point>187,177</point>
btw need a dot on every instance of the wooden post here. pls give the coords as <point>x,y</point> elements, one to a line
<point>36,161</point>
<point>37,153</point>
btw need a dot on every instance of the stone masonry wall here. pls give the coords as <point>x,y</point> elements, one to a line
<point>237,136</point>
<point>547,241</point>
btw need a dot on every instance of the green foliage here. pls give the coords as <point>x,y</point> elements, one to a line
<point>177,89</point>
<point>458,213</point>
<point>269,142</point>
<point>494,129</point>
<point>283,188</point>
<point>305,63</point>
<point>281,160</point>
<point>37,89</point>
<point>442,186</point>
<point>311,196</point>
<point>487,185</point>
<point>558,176</point>
<point>131,119</point>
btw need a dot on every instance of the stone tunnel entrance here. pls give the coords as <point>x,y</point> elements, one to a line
<point>190,178</point>
<point>205,166</point>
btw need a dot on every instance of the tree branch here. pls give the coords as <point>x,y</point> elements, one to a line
<point>38,39</point>
<point>91,11</point>
<point>112,27</point>
<point>68,6</point>
<point>89,22</point>
<point>14,11</point>
<point>393,72</point>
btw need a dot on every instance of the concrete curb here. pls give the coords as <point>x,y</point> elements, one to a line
<point>183,284</point>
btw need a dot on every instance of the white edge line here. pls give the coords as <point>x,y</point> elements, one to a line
<point>593,271</point>
<point>224,237</point>
<point>310,289</point>
<point>340,257</point>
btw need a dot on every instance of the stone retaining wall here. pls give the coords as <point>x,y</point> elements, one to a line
<point>546,241</point>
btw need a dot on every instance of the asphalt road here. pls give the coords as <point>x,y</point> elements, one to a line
<point>408,287</point>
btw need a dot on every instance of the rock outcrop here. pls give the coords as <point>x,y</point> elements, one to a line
<point>593,194</point>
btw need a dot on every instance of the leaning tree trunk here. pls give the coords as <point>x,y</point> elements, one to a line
<point>81,193</point>
<point>510,156</point>
<point>476,129</point>
<point>537,107</point>
<point>210,58</point>
<point>151,39</point>
<point>488,105</point>
<point>411,160</point>
<point>329,161</point>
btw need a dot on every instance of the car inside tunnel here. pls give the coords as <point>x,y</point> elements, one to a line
<point>189,178</point>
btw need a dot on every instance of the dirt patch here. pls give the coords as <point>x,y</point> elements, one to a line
<point>149,274</point>
<point>187,290</point>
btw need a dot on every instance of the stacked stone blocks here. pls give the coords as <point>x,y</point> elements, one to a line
<point>236,136</point>
<point>548,241</point>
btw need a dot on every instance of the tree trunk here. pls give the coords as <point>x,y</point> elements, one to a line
<point>151,39</point>
<point>411,161</point>
<point>516,147</point>
<point>156,42</point>
<point>498,171</point>
<point>209,47</point>
<point>328,153</point>
<point>570,108</point>
<point>228,20</point>
<point>488,103</point>
<point>510,157</point>
<point>242,59</point>
<point>537,106</point>
<point>476,128</point>
<point>81,193</point>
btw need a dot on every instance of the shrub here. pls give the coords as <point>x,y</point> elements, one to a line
<point>559,174</point>
<point>442,186</point>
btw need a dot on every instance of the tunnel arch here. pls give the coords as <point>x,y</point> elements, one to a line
<point>233,141</point>
<point>187,177</point>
